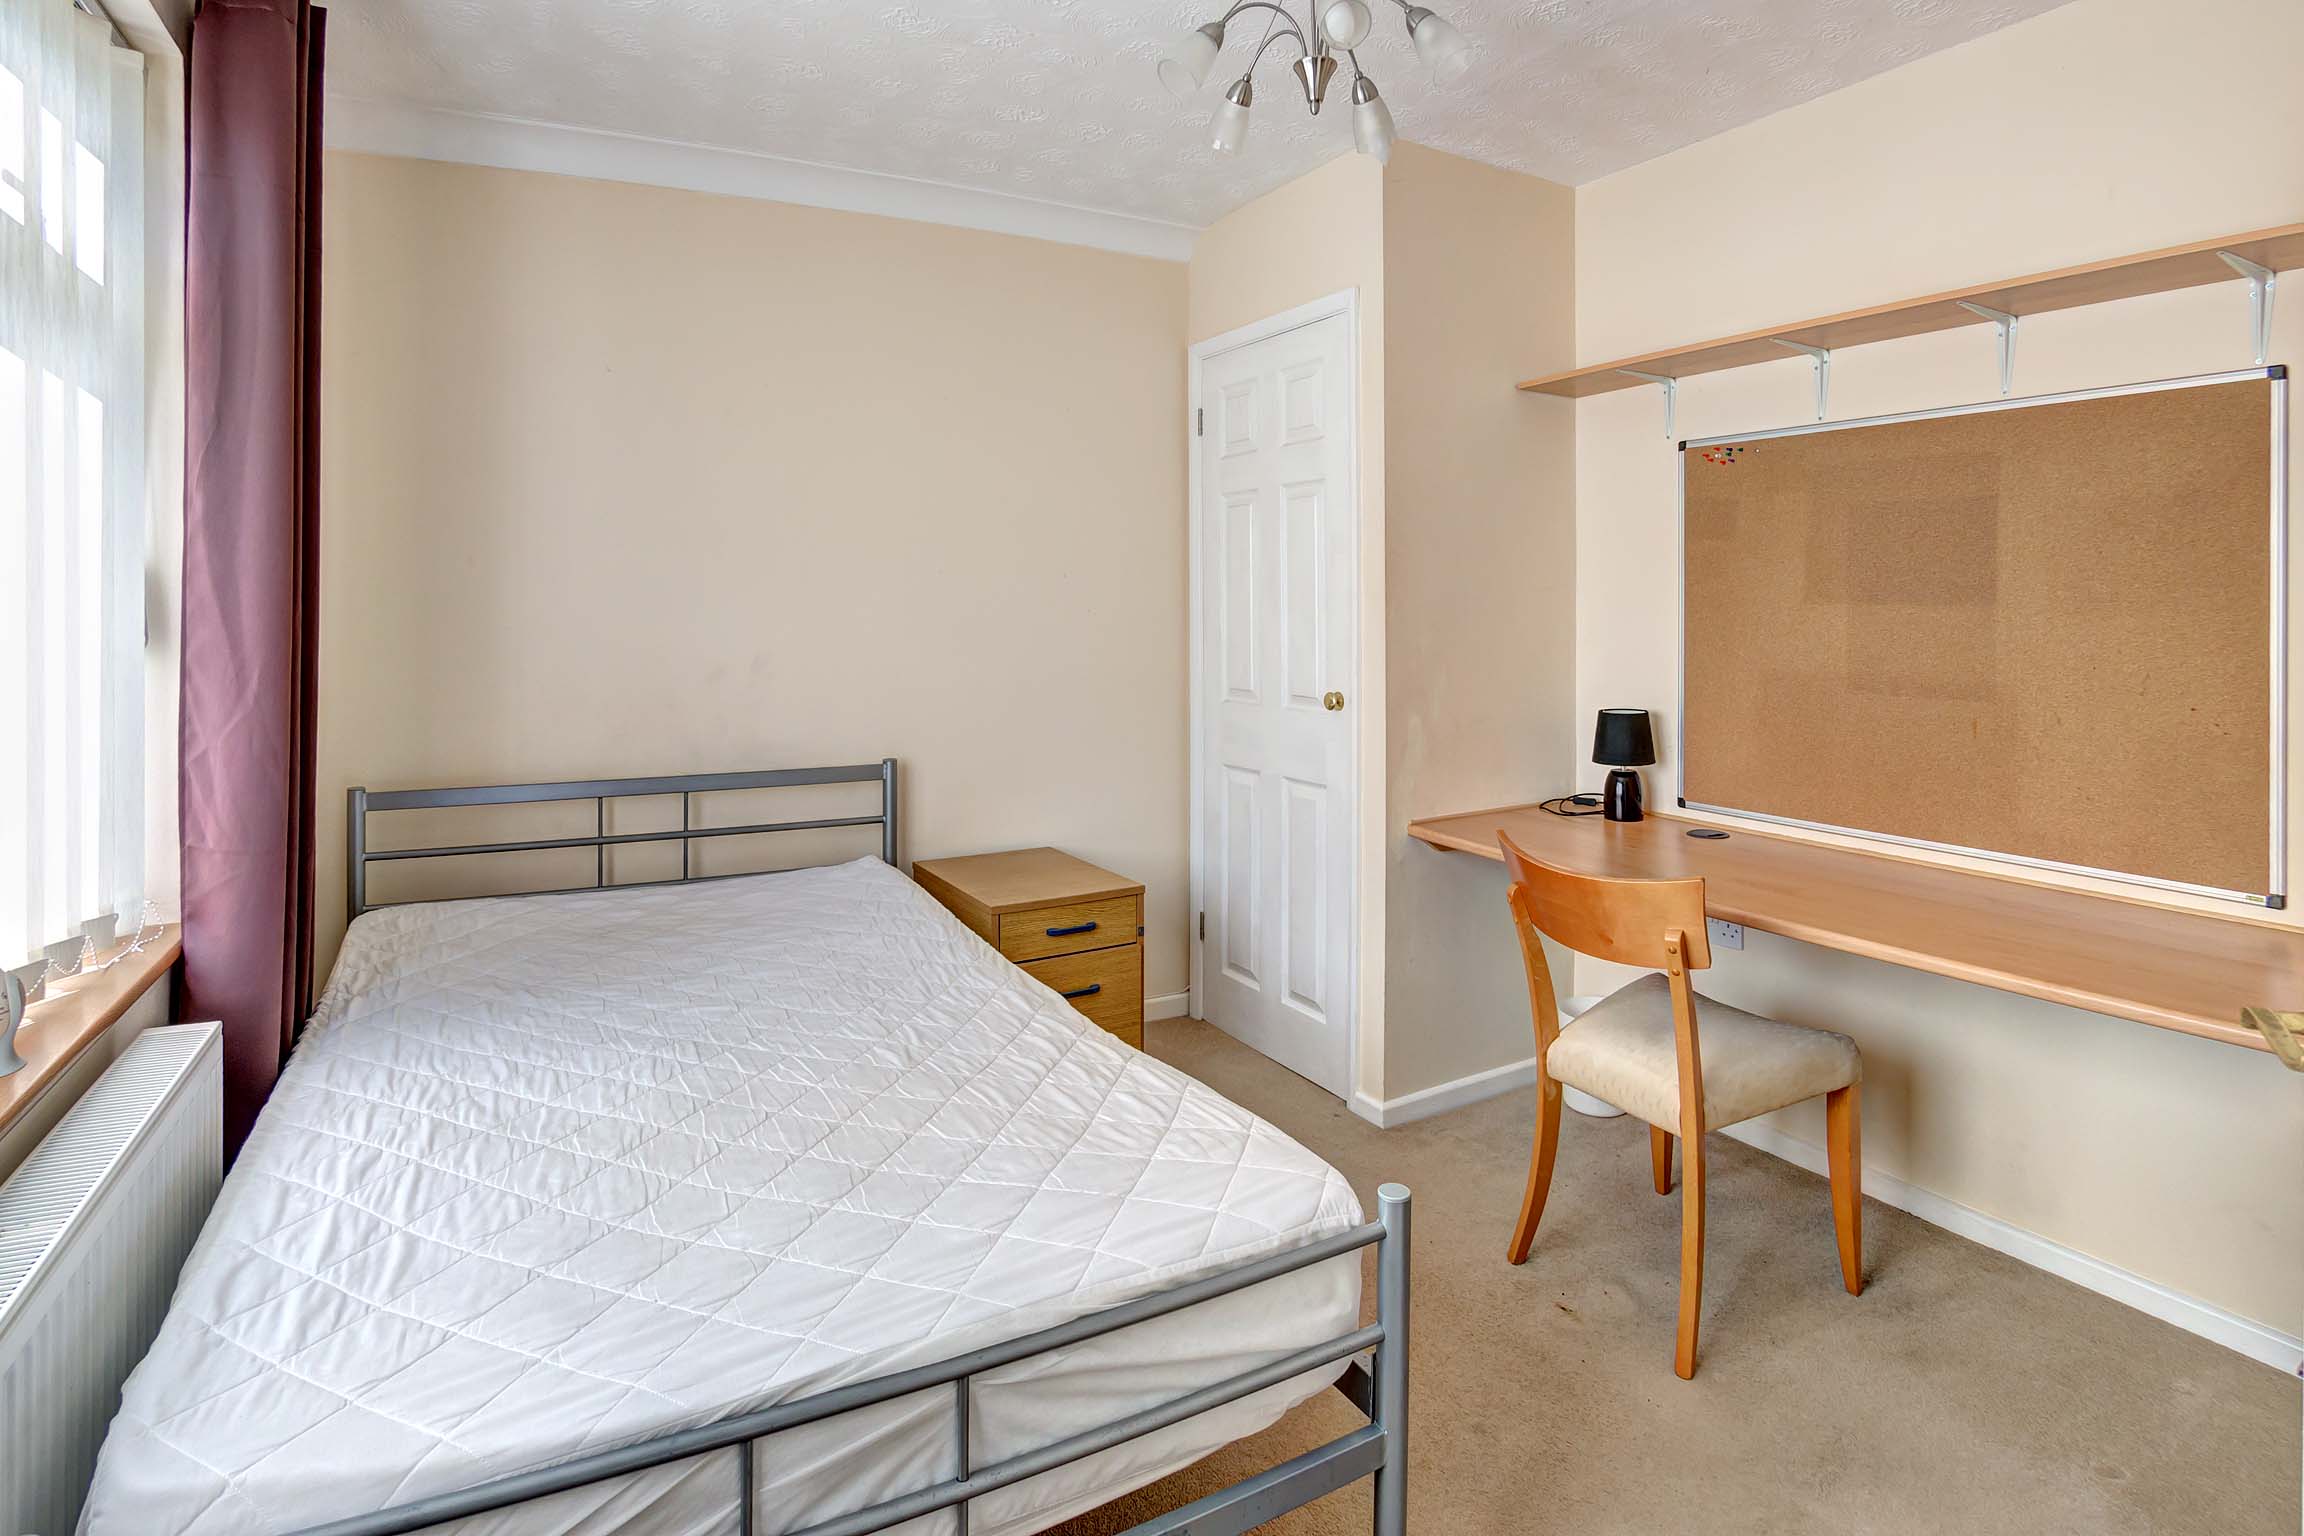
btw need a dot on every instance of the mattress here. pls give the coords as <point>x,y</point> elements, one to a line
<point>553,1174</point>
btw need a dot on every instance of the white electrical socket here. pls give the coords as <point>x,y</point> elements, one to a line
<point>1724,935</point>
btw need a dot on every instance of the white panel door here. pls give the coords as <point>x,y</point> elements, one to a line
<point>1277,645</point>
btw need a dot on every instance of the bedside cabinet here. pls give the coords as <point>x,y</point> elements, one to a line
<point>1076,927</point>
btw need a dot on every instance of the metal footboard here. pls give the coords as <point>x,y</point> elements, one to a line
<point>1380,1449</point>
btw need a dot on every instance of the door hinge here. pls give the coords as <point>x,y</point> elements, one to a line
<point>1199,421</point>
<point>1203,927</point>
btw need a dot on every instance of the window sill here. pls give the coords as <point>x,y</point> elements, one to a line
<point>75,1014</point>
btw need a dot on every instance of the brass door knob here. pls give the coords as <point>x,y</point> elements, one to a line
<point>1332,700</point>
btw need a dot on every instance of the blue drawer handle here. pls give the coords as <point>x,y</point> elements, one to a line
<point>1060,933</point>
<point>1087,991</point>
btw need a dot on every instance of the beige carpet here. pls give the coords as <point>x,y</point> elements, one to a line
<point>1963,1392</point>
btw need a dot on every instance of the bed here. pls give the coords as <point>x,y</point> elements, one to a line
<point>772,1203</point>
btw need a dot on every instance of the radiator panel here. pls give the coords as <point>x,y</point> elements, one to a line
<point>93,1230</point>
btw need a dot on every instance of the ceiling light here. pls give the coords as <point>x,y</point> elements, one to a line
<point>1345,24</point>
<point>1312,73</point>
<point>1335,26</point>
<point>1186,67</point>
<point>1371,120</point>
<point>1228,129</point>
<point>1441,47</point>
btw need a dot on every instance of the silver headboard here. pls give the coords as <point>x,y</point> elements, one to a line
<point>601,791</point>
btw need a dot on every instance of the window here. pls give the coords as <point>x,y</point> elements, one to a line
<point>72,496</point>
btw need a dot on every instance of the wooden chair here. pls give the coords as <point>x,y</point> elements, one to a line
<point>1683,1063</point>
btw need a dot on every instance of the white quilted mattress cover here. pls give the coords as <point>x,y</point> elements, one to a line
<point>552,1174</point>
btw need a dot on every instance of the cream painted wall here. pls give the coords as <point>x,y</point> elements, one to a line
<point>626,480</point>
<point>2101,128</point>
<point>1480,578</point>
<point>1467,554</point>
<point>1321,234</point>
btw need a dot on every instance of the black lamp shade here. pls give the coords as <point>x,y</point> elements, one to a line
<point>1623,740</point>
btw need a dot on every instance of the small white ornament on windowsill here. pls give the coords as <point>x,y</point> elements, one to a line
<point>11,1015</point>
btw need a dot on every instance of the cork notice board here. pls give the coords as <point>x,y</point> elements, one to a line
<point>2035,629</point>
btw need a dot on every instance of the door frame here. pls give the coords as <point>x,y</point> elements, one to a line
<point>1344,302</point>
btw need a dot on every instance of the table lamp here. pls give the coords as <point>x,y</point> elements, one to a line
<point>1623,743</point>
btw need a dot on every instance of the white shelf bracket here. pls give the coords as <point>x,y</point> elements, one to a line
<point>1671,391</point>
<point>2261,281</point>
<point>1822,358</point>
<point>2004,326</point>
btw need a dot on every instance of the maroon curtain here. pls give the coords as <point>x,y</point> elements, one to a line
<point>251,504</point>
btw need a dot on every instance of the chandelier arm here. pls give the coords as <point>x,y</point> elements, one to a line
<point>1291,37</point>
<point>1287,20</point>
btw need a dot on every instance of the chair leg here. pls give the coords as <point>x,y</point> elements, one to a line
<point>1844,1139</point>
<point>1660,1157</point>
<point>1540,1157</point>
<point>1691,1253</point>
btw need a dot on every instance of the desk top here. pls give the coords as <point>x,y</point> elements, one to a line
<point>2189,971</point>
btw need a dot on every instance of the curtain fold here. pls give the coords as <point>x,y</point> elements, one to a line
<point>251,342</point>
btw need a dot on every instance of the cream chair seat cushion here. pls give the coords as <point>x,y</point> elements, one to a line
<point>1623,1050</point>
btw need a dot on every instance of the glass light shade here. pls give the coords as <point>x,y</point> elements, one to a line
<point>1371,120</point>
<point>1345,23</point>
<point>1228,127</point>
<point>1185,69</point>
<point>1441,47</point>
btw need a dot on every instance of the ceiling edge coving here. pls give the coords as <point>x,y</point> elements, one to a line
<point>516,144</point>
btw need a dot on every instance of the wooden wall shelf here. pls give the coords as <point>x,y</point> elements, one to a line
<point>2096,282</point>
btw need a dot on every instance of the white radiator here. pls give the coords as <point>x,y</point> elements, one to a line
<point>93,1228</point>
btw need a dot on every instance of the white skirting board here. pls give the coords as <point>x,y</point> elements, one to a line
<point>1172,1005</point>
<point>2258,1341</point>
<point>2255,1340</point>
<point>1424,1103</point>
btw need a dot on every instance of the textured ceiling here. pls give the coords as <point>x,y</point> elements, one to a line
<point>1056,99</point>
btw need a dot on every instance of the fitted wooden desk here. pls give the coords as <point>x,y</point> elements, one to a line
<point>2182,970</point>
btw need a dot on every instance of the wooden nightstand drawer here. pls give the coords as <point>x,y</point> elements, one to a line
<point>1107,985</point>
<point>1076,927</point>
<point>1070,928</point>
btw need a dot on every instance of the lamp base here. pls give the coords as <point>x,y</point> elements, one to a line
<point>1622,796</point>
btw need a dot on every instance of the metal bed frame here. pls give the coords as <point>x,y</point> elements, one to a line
<point>600,791</point>
<point>1376,1385</point>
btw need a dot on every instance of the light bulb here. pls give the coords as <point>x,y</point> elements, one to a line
<point>1228,128</point>
<point>1441,47</point>
<point>1345,23</point>
<point>1371,120</point>
<point>1185,69</point>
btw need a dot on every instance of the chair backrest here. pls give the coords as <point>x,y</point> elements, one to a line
<point>1607,917</point>
<point>1632,922</point>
